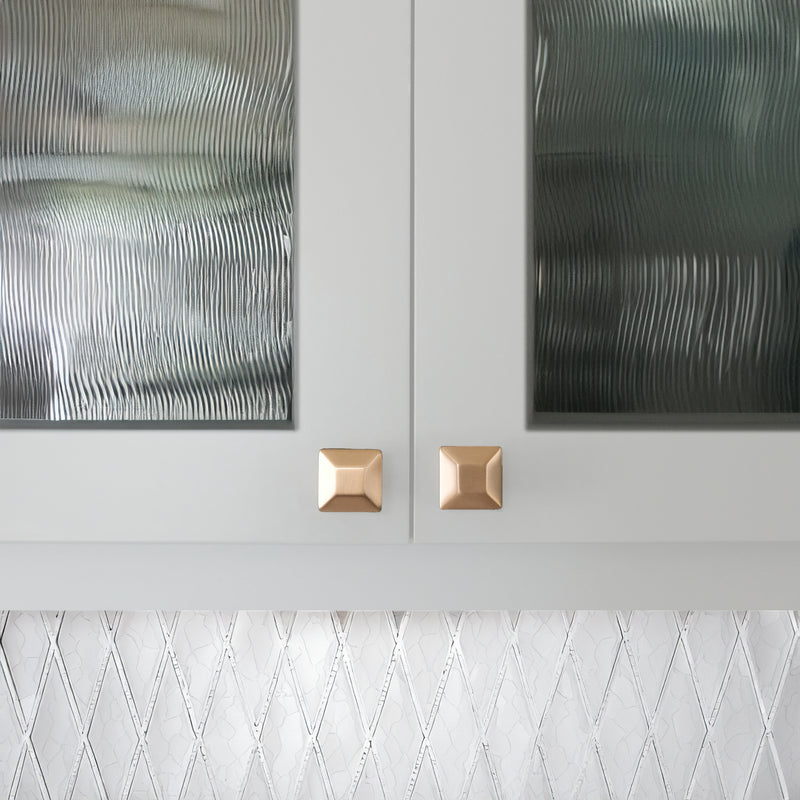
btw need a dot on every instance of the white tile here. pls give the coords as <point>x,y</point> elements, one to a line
<point>113,736</point>
<point>396,705</point>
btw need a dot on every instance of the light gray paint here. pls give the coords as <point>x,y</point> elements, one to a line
<point>492,576</point>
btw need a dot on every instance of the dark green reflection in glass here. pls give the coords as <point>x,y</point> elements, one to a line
<point>666,206</point>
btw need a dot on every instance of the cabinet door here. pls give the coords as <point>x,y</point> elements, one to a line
<point>349,288</point>
<point>605,262</point>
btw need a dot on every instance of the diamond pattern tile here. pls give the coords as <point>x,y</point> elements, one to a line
<point>400,706</point>
<point>113,734</point>
<point>566,736</point>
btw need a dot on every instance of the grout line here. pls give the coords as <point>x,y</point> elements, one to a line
<point>412,285</point>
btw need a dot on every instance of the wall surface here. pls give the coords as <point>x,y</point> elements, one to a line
<point>392,705</point>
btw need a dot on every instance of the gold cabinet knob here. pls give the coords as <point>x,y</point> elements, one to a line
<point>470,477</point>
<point>350,480</point>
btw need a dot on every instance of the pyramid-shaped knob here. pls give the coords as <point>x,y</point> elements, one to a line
<point>350,480</point>
<point>470,477</point>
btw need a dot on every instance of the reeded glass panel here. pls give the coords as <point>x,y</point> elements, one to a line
<point>145,209</point>
<point>666,206</point>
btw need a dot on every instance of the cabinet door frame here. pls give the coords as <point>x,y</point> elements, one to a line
<point>562,482</point>
<point>351,287</point>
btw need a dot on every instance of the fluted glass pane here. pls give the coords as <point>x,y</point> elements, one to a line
<point>145,209</point>
<point>666,206</point>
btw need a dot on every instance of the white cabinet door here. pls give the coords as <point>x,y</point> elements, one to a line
<point>351,283</point>
<point>600,480</point>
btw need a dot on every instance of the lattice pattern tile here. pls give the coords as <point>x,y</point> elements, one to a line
<point>385,705</point>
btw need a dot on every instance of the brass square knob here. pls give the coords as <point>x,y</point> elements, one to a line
<point>350,480</point>
<point>470,477</point>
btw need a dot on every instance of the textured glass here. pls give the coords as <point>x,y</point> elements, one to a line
<point>396,705</point>
<point>145,209</point>
<point>666,206</point>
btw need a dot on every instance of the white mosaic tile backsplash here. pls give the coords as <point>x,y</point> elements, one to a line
<point>432,706</point>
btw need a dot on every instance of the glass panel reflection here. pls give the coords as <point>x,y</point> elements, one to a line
<point>666,206</point>
<point>145,209</point>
